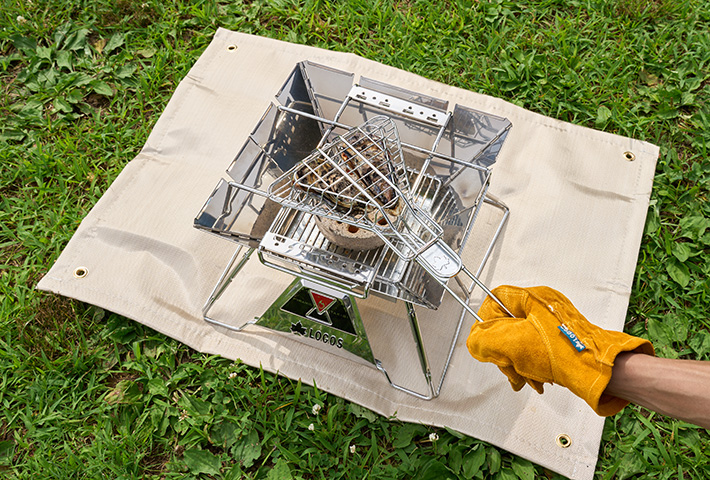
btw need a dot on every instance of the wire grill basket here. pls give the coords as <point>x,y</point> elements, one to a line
<point>360,179</point>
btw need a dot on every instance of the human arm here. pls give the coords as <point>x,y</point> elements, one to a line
<point>549,341</point>
<point>677,388</point>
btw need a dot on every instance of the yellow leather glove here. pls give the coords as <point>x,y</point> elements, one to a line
<point>548,340</point>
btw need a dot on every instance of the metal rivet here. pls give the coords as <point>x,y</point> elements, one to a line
<point>81,272</point>
<point>563,440</point>
<point>629,156</point>
<point>232,48</point>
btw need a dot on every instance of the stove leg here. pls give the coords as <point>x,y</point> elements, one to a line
<point>423,360</point>
<point>224,280</point>
<point>421,352</point>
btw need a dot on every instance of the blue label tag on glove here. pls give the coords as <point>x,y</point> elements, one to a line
<point>572,338</point>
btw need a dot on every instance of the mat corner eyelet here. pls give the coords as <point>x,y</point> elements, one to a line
<point>563,440</point>
<point>81,272</point>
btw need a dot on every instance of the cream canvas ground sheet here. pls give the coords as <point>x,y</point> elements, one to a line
<point>577,207</point>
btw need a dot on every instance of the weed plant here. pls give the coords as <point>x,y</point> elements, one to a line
<point>86,393</point>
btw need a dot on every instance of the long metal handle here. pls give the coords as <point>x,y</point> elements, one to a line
<point>444,264</point>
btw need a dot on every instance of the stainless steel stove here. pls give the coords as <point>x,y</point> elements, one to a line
<point>359,190</point>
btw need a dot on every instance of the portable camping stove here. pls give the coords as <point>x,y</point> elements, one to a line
<point>358,189</point>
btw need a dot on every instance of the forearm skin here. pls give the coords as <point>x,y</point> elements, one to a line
<point>677,388</point>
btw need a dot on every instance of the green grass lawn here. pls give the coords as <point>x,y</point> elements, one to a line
<point>88,394</point>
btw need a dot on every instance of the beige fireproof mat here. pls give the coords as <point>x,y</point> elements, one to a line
<point>577,215</point>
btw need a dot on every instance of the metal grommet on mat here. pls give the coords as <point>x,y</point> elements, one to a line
<point>629,156</point>
<point>563,440</point>
<point>231,48</point>
<point>81,272</point>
